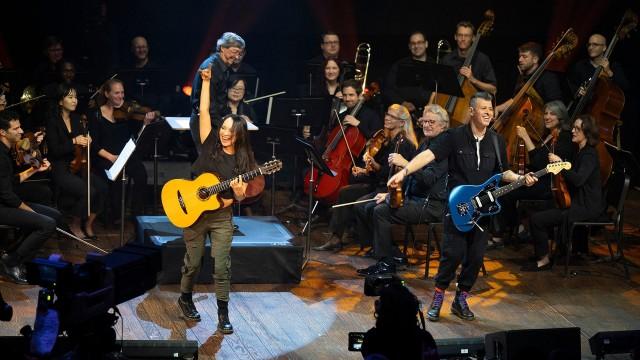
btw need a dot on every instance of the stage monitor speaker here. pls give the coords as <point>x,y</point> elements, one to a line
<point>538,344</point>
<point>615,342</point>
<point>160,349</point>
<point>461,348</point>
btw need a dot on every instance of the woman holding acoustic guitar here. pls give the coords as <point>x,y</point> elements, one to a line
<point>227,153</point>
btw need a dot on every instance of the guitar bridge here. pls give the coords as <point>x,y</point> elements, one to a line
<point>463,209</point>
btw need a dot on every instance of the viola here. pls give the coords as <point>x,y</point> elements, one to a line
<point>80,153</point>
<point>28,151</point>
<point>396,195</point>
<point>131,110</point>
<point>560,191</point>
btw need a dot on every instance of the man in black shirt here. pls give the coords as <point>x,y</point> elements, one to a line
<point>480,74</point>
<point>547,86</point>
<point>426,193</point>
<point>413,98</point>
<point>472,152</point>
<point>38,220</point>
<point>228,49</point>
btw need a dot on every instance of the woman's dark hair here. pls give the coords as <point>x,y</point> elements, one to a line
<point>244,154</point>
<point>62,90</point>
<point>234,80</point>
<point>590,129</point>
<point>325,62</point>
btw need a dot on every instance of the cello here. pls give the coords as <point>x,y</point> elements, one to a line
<point>526,110</point>
<point>606,99</point>
<point>458,108</point>
<point>343,142</point>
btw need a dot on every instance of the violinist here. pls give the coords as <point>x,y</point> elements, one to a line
<point>110,130</point>
<point>556,140</point>
<point>369,178</point>
<point>426,191</point>
<point>67,141</point>
<point>547,86</point>
<point>36,220</point>
<point>585,187</point>
<point>37,188</point>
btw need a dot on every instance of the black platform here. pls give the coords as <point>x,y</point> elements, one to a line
<point>262,251</point>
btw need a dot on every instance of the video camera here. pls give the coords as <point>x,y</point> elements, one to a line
<point>77,298</point>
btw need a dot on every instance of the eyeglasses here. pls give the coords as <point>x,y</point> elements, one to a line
<point>577,128</point>
<point>423,123</point>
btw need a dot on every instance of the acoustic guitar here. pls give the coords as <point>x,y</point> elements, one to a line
<point>184,201</point>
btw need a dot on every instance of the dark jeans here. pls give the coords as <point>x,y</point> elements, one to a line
<point>542,222</point>
<point>35,190</point>
<point>39,226</point>
<point>461,248</point>
<point>76,187</point>
<point>342,217</point>
<point>377,219</point>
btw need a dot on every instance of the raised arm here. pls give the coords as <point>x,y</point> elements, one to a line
<point>205,102</point>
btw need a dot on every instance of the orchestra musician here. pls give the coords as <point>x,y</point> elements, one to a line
<point>235,99</point>
<point>415,97</point>
<point>547,86</point>
<point>226,151</point>
<point>426,191</point>
<point>584,184</point>
<point>65,133</point>
<point>109,135</point>
<point>480,73</point>
<point>330,87</point>
<point>472,151</point>
<point>556,123</point>
<point>229,49</point>
<point>36,220</point>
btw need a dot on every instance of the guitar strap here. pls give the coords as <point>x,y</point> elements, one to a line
<point>494,139</point>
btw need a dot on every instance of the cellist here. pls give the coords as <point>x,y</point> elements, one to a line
<point>367,180</point>
<point>556,140</point>
<point>548,85</point>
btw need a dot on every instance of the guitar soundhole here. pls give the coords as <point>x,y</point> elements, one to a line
<point>203,193</point>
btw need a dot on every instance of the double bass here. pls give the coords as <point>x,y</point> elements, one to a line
<point>458,108</point>
<point>605,99</point>
<point>527,107</point>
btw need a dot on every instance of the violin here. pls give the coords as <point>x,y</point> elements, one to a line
<point>28,152</point>
<point>131,110</point>
<point>80,153</point>
<point>377,141</point>
<point>396,195</point>
<point>559,186</point>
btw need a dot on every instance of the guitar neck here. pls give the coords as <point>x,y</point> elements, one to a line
<point>503,190</point>
<point>225,185</point>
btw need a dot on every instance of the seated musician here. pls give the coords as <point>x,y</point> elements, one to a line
<point>426,192</point>
<point>480,74</point>
<point>66,136</point>
<point>237,88</point>
<point>109,136</point>
<point>415,97</point>
<point>370,179</point>
<point>547,86</point>
<point>36,220</point>
<point>556,140</point>
<point>330,87</point>
<point>585,188</point>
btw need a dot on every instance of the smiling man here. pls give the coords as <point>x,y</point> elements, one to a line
<point>472,152</point>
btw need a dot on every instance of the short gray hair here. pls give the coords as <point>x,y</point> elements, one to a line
<point>557,107</point>
<point>440,112</point>
<point>230,39</point>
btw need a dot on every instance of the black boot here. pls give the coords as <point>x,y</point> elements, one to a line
<point>334,243</point>
<point>224,325</point>
<point>185,302</point>
<point>460,308</point>
<point>436,304</point>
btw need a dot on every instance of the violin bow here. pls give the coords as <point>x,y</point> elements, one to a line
<point>344,137</point>
<point>95,93</point>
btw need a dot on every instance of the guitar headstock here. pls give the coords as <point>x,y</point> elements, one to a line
<point>565,45</point>
<point>628,24</point>
<point>485,28</point>
<point>556,167</point>
<point>270,167</point>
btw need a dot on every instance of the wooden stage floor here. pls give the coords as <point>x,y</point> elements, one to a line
<point>311,320</point>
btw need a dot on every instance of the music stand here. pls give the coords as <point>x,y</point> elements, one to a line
<point>315,160</point>
<point>296,113</point>
<point>149,138</point>
<point>115,170</point>
<point>430,76</point>
<point>270,136</point>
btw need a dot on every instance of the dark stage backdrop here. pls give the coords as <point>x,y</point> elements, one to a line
<point>281,35</point>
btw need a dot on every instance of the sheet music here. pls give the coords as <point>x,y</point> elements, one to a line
<point>122,159</point>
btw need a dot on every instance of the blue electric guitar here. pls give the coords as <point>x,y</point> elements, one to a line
<point>468,203</point>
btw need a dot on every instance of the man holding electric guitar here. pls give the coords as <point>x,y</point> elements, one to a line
<point>475,154</point>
